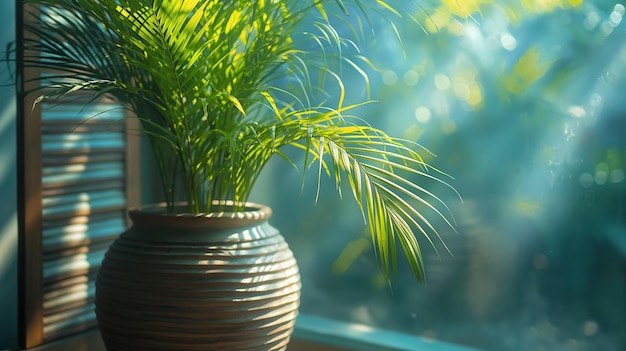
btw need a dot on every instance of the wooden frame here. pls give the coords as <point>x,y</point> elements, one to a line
<point>30,305</point>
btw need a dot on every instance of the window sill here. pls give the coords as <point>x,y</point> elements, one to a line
<point>311,334</point>
<point>331,335</point>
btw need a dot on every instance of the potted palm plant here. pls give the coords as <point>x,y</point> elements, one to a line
<point>220,87</point>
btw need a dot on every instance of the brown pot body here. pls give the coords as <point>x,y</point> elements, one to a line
<point>223,281</point>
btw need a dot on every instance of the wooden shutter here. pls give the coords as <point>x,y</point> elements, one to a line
<point>84,204</point>
<point>88,180</point>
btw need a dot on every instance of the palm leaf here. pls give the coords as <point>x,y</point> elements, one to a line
<point>222,86</point>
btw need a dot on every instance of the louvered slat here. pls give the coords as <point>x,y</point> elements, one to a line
<point>83,207</point>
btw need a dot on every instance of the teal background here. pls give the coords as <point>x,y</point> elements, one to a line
<point>524,107</point>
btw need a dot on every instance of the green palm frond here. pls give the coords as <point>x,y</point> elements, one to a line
<point>222,86</point>
<point>377,168</point>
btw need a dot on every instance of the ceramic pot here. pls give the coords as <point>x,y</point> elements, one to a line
<point>221,281</point>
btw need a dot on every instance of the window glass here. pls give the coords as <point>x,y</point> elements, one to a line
<point>523,105</point>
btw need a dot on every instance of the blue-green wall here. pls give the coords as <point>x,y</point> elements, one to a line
<point>8,186</point>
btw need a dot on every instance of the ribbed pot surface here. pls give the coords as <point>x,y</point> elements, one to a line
<point>224,281</point>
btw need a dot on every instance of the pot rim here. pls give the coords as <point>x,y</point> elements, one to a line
<point>156,214</point>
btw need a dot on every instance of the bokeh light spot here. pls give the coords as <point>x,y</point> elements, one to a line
<point>577,111</point>
<point>601,177</point>
<point>475,95</point>
<point>390,77</point>
<point>508,41</point>
<point>442,82</point>
<point>606,28</point>
<point>591,21</point>
<point>602,167</point>
<point>617,176</point>
<point>596,100</point>
<point>586,180</point>
<point>422,114</point>
<point>602,173</point>
<point>615,18</point>
<point>411,78</point>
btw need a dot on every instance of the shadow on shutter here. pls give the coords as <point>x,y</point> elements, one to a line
<point>84,203</point>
